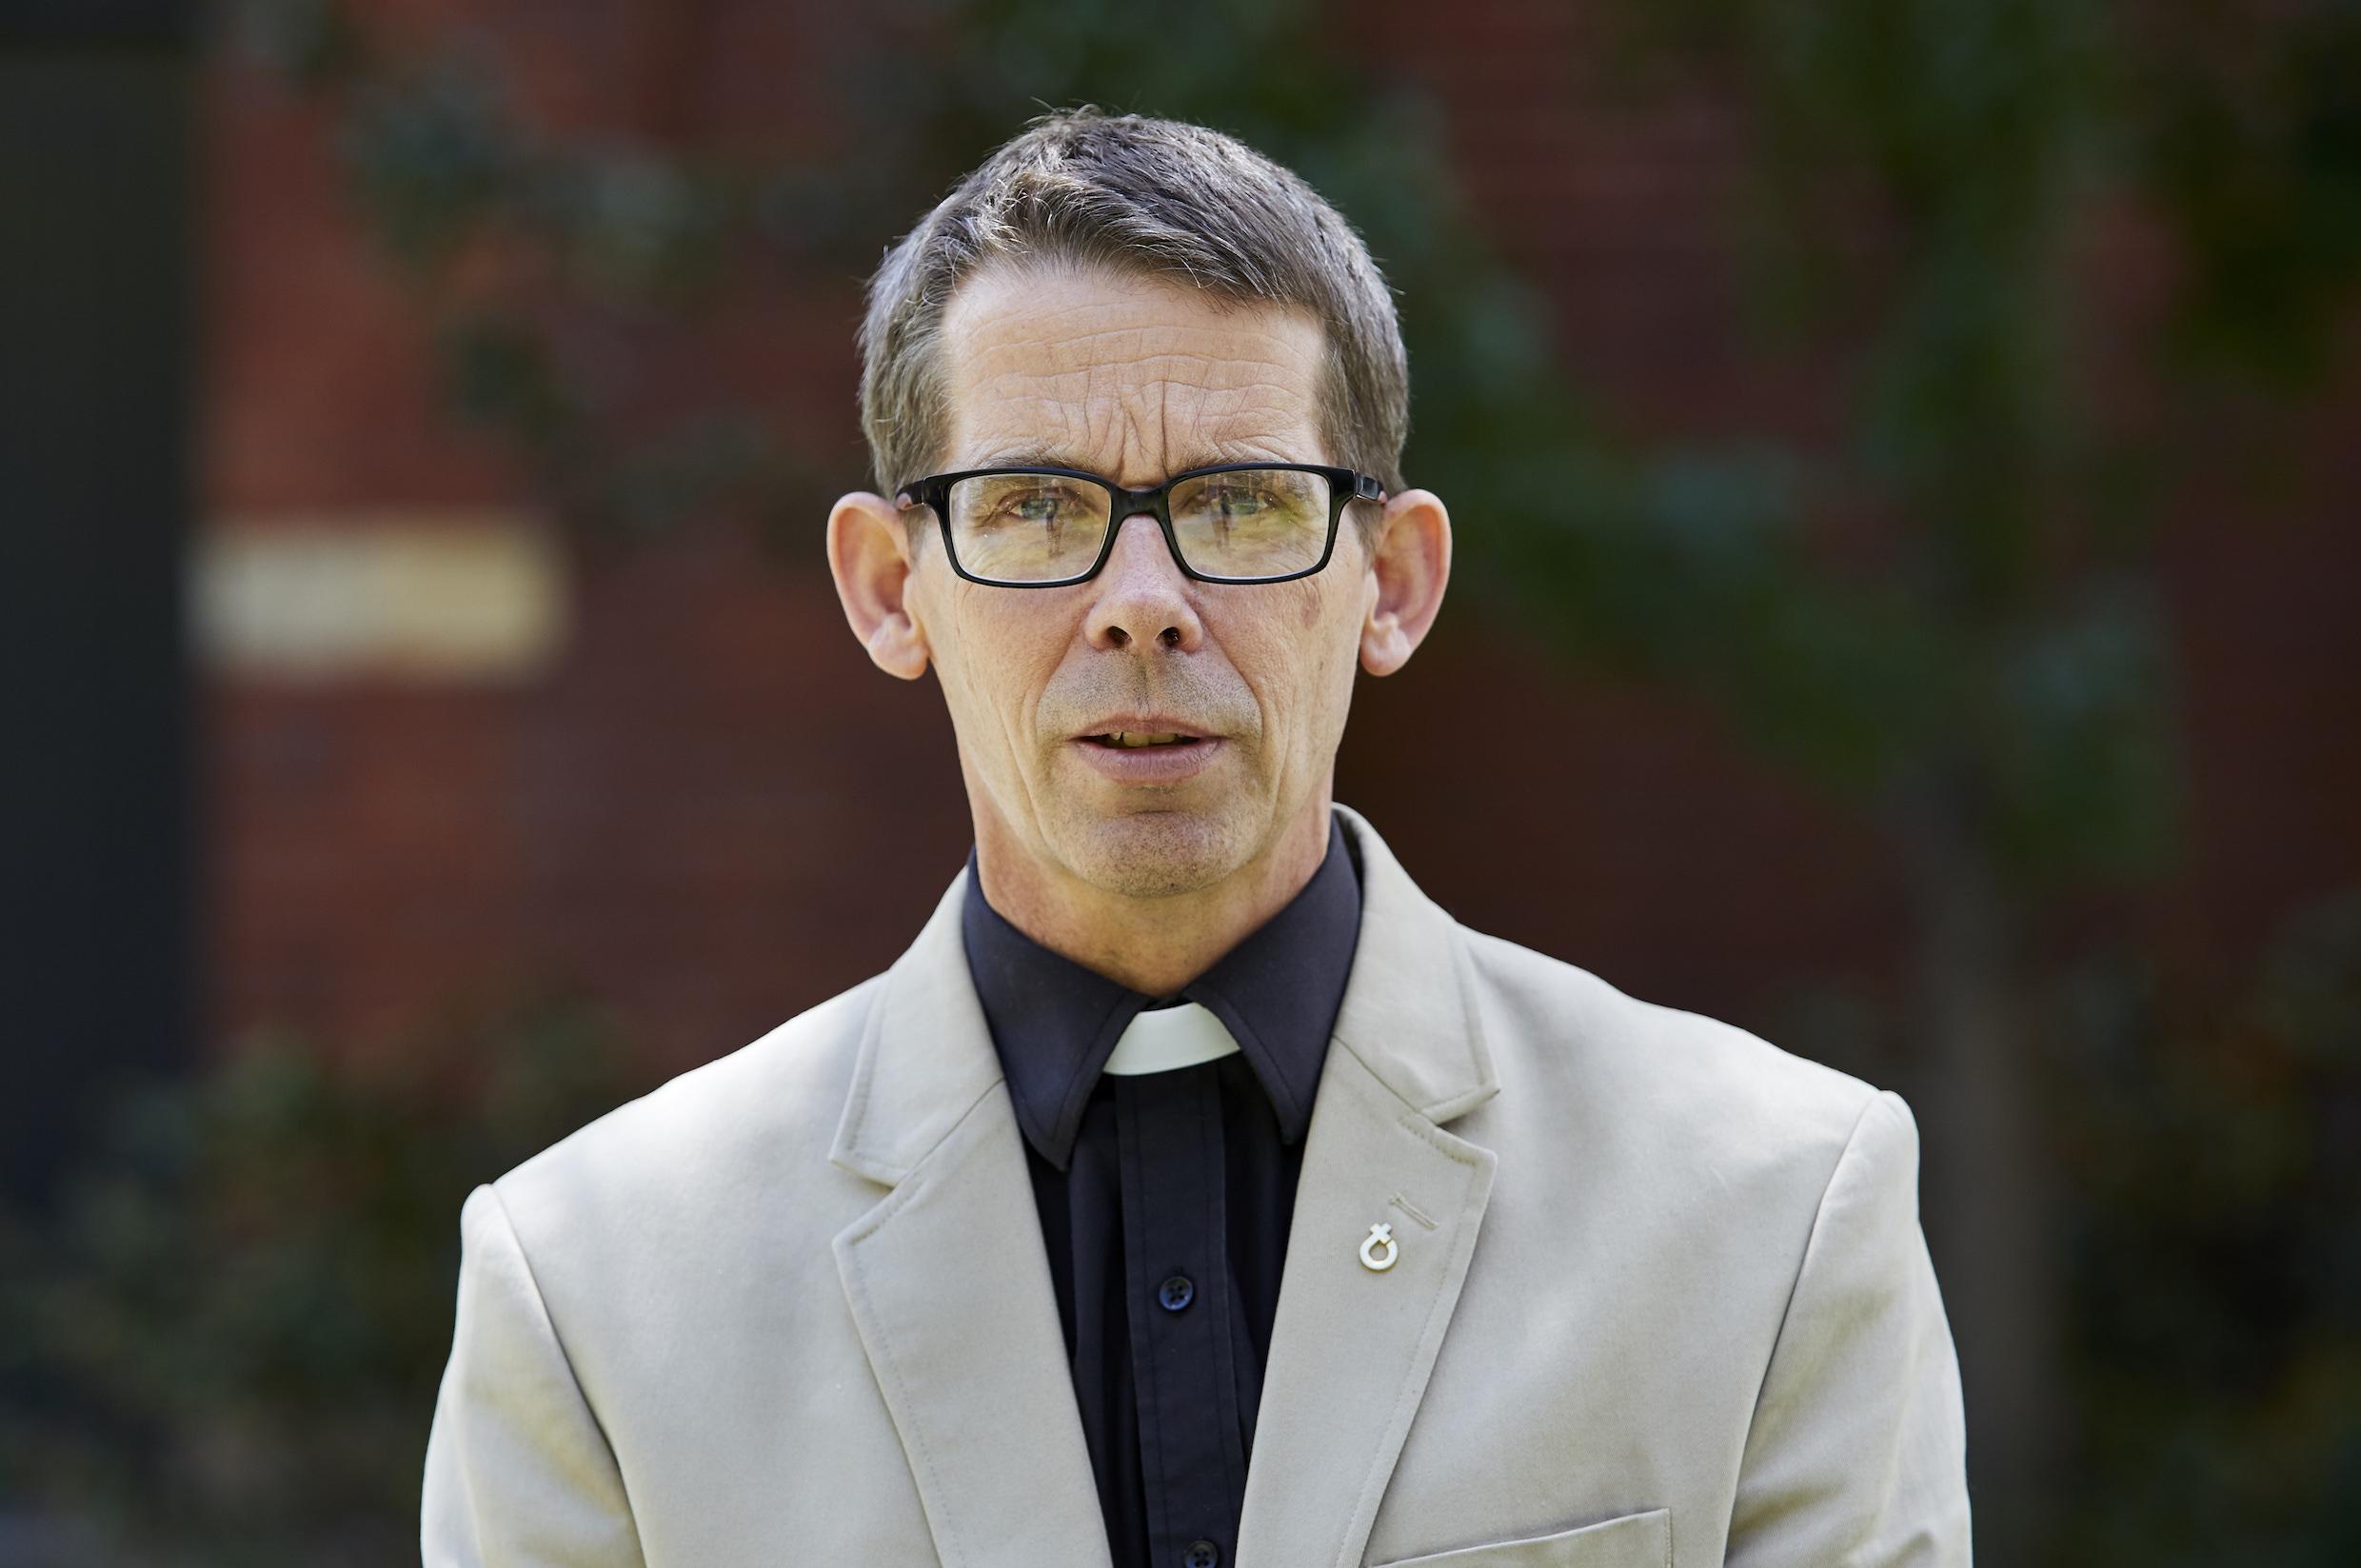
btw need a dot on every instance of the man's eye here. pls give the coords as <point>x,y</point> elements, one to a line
<point>1238,503</point>
<point>1040,506</point>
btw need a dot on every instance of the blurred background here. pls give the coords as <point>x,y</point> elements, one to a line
<point>1907,462</point>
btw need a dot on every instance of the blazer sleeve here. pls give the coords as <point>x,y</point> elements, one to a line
<point>518,1473</point>
<point>1856,1454</point>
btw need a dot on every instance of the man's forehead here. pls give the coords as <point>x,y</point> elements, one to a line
<point>1081,367</point>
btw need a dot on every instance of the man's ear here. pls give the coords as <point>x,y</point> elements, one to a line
<point>869,557</point>
<point>1412,563</point>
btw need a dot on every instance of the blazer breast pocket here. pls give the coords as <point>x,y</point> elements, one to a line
<point>1636,1540</point>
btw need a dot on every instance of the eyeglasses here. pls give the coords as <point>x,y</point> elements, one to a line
<point>1050,527</point>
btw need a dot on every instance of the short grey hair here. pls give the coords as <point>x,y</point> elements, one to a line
<point>1154,198</point>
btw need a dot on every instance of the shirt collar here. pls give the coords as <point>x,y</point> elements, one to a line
<point>1054,1023</point>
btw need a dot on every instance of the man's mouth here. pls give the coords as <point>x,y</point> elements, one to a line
<point>1131,739</point>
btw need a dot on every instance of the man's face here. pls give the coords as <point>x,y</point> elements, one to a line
<point>1241,691</point>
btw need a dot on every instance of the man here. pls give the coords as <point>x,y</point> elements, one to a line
<point>1194,1191</point>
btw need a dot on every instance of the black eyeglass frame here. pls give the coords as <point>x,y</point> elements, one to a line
<point>1345,485</point>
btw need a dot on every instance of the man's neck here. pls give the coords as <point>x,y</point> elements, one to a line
<point>1156,945</point>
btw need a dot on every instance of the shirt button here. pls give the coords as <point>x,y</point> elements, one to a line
<point>1201,1554</point>
<point>1176,1293</point>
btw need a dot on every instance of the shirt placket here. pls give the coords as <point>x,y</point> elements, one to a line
<point>1175,1267</point>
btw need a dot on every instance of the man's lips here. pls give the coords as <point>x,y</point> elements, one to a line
<point>1146,751</point>
<point>1132,740</point>
<point>1139,731</point>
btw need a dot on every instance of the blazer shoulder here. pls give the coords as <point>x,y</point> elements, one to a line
<point>1664,1073</point>
<point>713,1129</point>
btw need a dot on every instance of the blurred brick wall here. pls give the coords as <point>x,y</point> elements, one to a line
<point>713,813</point>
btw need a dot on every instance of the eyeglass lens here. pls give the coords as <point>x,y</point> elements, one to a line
<point>1044,527</point>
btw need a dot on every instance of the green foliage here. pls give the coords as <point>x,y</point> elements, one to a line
<point>538,266</point>
<point>504,373</point>
<point>228,1344</point>
<point>2218,1261</point>
<point>2251,136</point>
<point>1922,164</point>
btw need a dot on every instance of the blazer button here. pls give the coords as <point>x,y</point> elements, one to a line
<point>1176,1293</point>
<point>1201,1554</point>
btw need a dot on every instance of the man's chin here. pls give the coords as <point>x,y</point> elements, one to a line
<point>1154,854</point>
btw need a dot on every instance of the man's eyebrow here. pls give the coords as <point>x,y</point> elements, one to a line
<point>1031,457</point>
<point>1042,457</point>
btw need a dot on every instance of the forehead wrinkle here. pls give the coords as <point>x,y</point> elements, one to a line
<point>1125,384</point>
<point>1035,316</point>
<point>1226,387</point>
<point>1217,374</point>
<point>1093,333</point>
<point>1158,423</point>
<point>988,299</point>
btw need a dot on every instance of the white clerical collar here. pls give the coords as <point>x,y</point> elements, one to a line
<point>1167,1037</point>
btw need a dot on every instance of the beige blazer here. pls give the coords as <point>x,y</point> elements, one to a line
<point>1659,1299</point>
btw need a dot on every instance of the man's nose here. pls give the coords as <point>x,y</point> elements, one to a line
<point>1143,600</point>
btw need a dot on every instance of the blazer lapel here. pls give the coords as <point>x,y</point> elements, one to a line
<point>948,1280</point>
<point>1353,1345</point>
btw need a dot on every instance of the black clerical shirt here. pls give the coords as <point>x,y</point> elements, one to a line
<point>1166,1198</point>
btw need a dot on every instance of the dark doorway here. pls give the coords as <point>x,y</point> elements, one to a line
<point>96,817</point>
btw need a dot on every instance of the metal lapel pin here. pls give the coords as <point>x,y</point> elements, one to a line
<point>1379,1236</point>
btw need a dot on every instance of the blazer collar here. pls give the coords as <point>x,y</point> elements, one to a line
<point>1409,1012</point>
<point>947,1280</point>
<point>1408,1015</point>
<point>926,1057</point>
